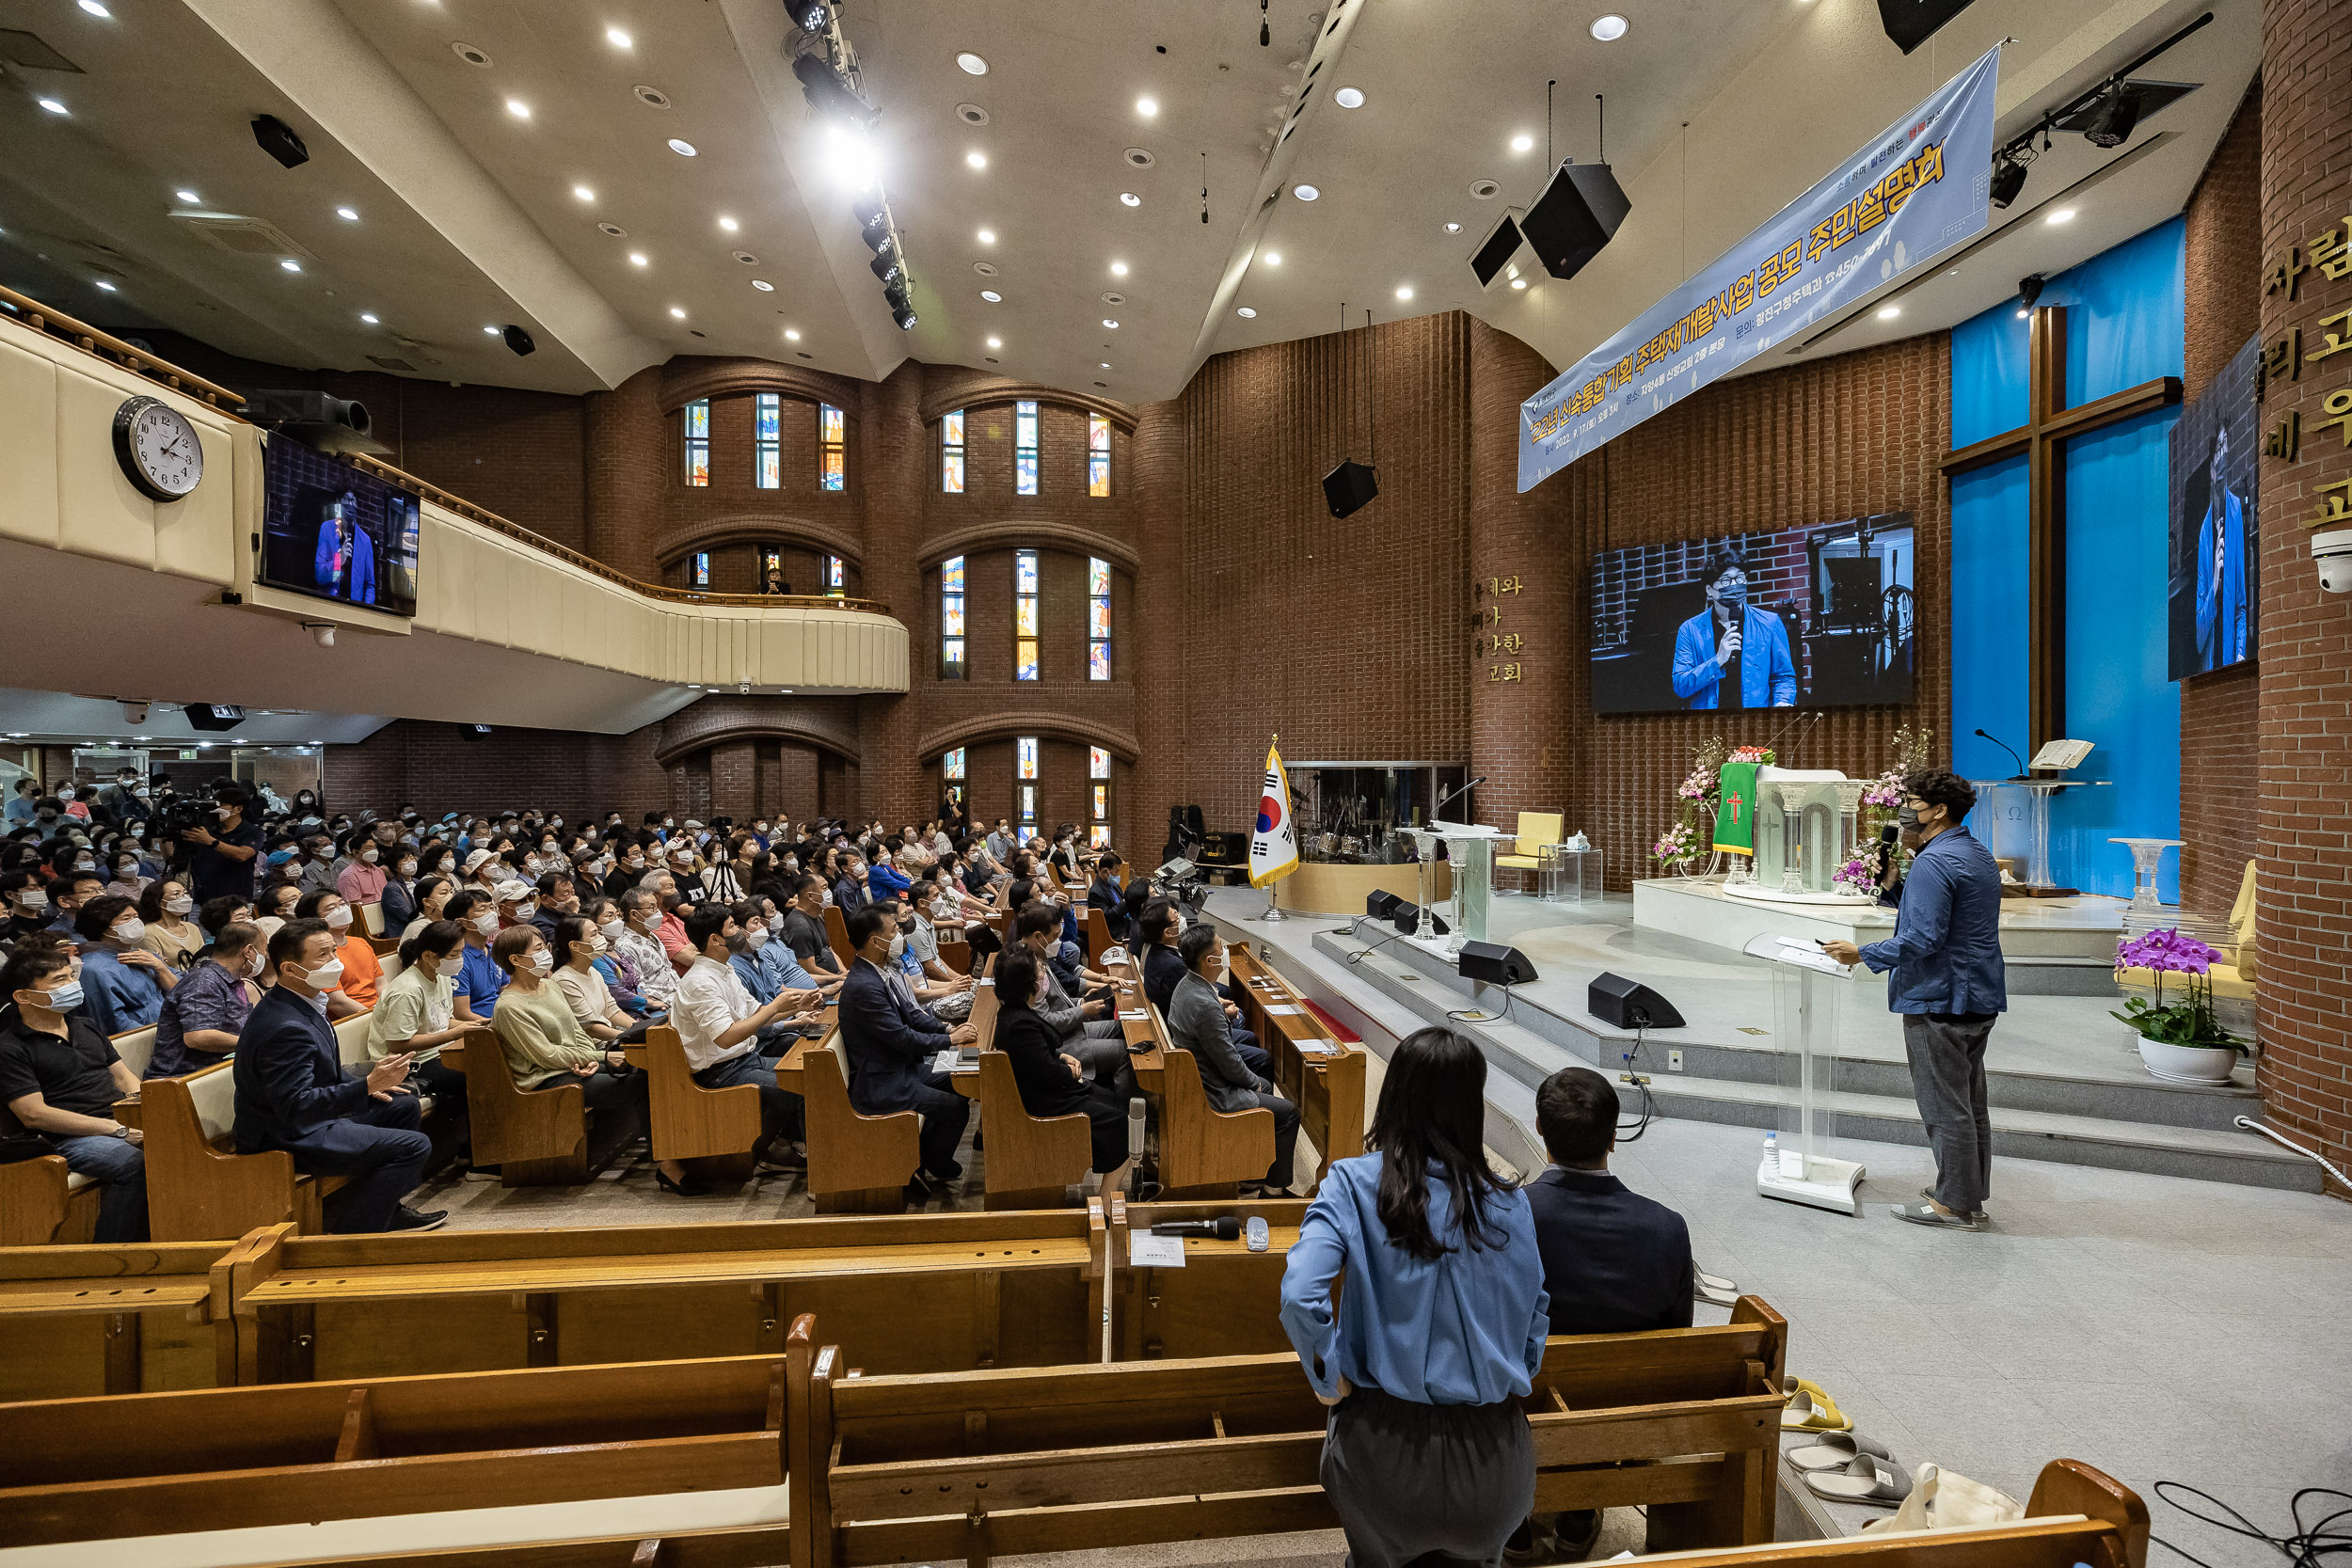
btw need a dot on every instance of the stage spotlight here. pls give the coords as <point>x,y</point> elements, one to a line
<point>885,270</point>
<point>896,292</point>
<point>904,316</point>
<point>278,139</point>
<point>2113,117</point>
<point>828,94</point>
<point>2029,289</point>
<point>812,15</point>
<point>518,339</point>
<point>2008,178</point>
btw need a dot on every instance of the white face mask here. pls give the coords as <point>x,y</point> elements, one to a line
<point>446,966</point>
<point>486,922</point>
<point>326,977</point>
<point>446,865</point>
<point>649,922</point>
<point>371,854</point>
<point>129,931</point>
<point>84,863</point>
<point>340,918</point>
<point>255,964</point>
<point>668,823</point>
<point>405,870</point>
<point>524,911</point>
<point>898,946</point>
<point>598,948</point>
<point>32,898</point>
<point>612,929</point>
<point>179,905</point>
<point>540,962</point>
<point>758,936</point>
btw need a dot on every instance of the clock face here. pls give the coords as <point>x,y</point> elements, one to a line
<point>158,447</point>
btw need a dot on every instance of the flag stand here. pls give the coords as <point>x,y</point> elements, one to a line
<point>1273,911</point>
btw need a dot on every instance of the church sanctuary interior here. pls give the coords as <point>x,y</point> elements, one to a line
<point>1177,783</point>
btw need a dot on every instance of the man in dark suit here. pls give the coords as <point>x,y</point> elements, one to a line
<point>888,1039</point>
<point>1156,934</point>
<point>849,894</point>
<point>293,1094</point>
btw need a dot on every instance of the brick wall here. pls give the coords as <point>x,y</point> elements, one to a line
<point>2305,680</point>
<point>2223,254</point>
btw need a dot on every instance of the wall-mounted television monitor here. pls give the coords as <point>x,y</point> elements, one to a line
<point>1806,617</point>
<point>2215,548</point>
<point>334,531</point>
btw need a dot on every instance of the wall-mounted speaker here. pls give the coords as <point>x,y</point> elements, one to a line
<point>1495,963</point>
<point>1495,252</point>
<point>1911,22</point>
<point>1578,213</point>
<point>1629,1004</point>
<point>1349,488</point>
<point>474,731</point>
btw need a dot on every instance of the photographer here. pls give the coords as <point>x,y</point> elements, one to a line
<point>221,856</point>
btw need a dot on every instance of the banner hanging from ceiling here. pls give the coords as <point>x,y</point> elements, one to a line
<point>1918,189</point>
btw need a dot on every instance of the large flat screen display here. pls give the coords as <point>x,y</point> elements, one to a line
<point>2215,549</point>
<point>1806,617</point>
<point>333,531</point>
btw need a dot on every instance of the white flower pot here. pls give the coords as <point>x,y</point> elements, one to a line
<point>2187,1064</point>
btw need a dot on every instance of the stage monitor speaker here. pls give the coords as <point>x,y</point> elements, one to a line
<point>1350,487</point>
<point>1911,23</point>
<point>1495,963</point>
<point>1381,905</point>
<point>1408,920</point>
<point>1495,251</point>
<point>215,716</point>
<point>1629,1004</point>
<point>1578,213</point>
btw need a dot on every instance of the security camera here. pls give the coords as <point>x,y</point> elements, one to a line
<point>134,712</point>
<point>322,632</point>
<point>2333,552</point>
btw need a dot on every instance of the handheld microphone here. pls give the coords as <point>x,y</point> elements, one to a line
<point>1224,1228</point>
<point>2005,747</point>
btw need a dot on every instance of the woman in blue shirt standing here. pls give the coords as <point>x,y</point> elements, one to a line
<point>1440,1327</point>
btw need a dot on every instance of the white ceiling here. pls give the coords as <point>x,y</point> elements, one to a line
<point>1720,112</point>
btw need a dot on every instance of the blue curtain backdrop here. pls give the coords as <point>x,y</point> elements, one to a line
<point>2124,326</point>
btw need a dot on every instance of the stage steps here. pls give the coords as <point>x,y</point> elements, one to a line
<point>2119,1124</point>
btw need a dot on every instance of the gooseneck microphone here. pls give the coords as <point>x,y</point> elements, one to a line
<point>2009,748</point>
<point>1225,1228</point>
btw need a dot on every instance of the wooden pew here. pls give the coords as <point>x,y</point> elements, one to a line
<point>857,1163</point>
<point>1225,1301</point>
<point>536,1137</point>
<point>715,1127</point>
<point>1096,929</point>
<point>42,1203</point>
<point>1205,1152</point>
<point>115,1319</point>
<point>1315,1070</point>
<point>199,1188</point>
<point>914,1292</point>
<point>1031,1163</point>
<point>837,933</point>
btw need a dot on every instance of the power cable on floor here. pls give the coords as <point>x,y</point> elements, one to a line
<point>1632,1060</point>
<point>2311,1545</point>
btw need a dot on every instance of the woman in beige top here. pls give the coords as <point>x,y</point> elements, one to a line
<point>545,1047</point>
<point>171,936</point>
<point>583,990</point>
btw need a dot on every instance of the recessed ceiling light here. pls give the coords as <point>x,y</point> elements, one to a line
<point>491,330</point>
<point>368,316</point>
<point>988,236</point>
<point>1112,325</point>
<point>972,64</point>
<point>1888,312</point>
<point>1273,257</point>
<point>1522,142</point>
<point>1105,364</point>
<point>1349,98</point>
<point>791,334</point>
<point>96,9</point>
<point>347,215</point>
<point>977,158</point>
<point>1305,192</point>
<point>679,310</point>
<point>53,105</point>
<point>519,109</point>
<point>637,258</point>
<point>1244,310</point>
<point>1452,227</point>
<point>1609,28</point>
<point>1119,269</point>
<point>682,148</point>
<point>1519,282</point>
<point>763,285</point>
<point>1404,291</point>
<point>617,38</point>
<point>729,225</point>
<point>2065,215</point>
<point>188,197</point>
<point>105,286</point>
<point>613,229</point>
<point>992,296</point>
<point>291,265</point>
<point>1129,198</point>
<point>996,342</point>
<point>1147,107</point>
<point>584,193</point>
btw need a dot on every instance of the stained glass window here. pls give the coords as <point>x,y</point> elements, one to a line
<point>698,442</point>
<point>835,576</point>
<point>1028,811</point>
<point>1097,620</point>
<point>832,465</point>
<point>767,441</point>
<point>951,773</point>
<point>1024,447</point>
<point>1024,635</point>
<point>702,570</point>
<point>951,453</point>
<point>1098,455</point>
<point>1026,749</point>
<point>1099,772</point>
<point>951,666</point>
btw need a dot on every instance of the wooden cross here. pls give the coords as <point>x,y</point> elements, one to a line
<point>2048,422</point>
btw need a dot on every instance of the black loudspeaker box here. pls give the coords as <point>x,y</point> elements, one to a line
<point>1578,213</point>
<point>1629,1004</point>
<point>1494,963</point>
<point>1408,920</point>
<point>1495,251</point>
<point>1910,22</point>
<point>1349,488</point>
<point>1381,906</point>
<point>215,716</point>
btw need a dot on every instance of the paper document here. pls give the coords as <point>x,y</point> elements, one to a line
<point>1147,1251</point>
<point>1284,1010</point>
<point>945,1061</point>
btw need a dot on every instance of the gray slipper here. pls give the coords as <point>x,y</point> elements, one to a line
<point>1713,1289</point>
<point>1866,1480</point>
<point>1835,1451</point>
<point>1928,1213</point>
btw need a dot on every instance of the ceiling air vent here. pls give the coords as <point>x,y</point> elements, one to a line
<point>18,47</point>
<point>245,236</point>
<point>385,362</point>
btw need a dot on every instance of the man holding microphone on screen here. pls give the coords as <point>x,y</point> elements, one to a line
<point>1731,655</point>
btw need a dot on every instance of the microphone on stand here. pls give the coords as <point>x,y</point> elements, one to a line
<point>1445,801</point>
<point>2010,750</point>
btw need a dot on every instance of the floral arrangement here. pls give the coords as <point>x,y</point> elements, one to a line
<point>1691,837</point>
<point>1857,877</point>
<point>1676,847</point>
<point>2191,1022</point>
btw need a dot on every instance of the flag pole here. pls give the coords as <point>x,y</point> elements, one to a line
<point>1273,908</point>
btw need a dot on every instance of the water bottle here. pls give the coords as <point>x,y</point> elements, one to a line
<point>1771,1148</point>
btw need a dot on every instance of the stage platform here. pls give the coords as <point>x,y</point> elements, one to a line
<point>2053,947</point>
<point>2065,1079</point>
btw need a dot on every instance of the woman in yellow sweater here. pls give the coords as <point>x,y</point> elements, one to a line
<point>545,1046</point>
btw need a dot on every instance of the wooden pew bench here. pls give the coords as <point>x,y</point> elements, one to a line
<point>42,1202</point>
<point>1315,1069</point>
<point>115,1319</point>
<point>857,1163</point>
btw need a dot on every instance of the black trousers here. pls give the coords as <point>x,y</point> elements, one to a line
<point>945,1114</point>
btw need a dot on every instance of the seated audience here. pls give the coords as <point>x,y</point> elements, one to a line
<point>718,1025</point>
<point>216,914</point>
<point>416,1012</point>
<point>805,931</point>
<point>292,1093</point>
<point>1196,1023</point>
<point>28,906</point>
<point>275,905</point>
<point>207,1010</point>
<point>171,936</point>
<point>1105,894</point>
<point>1157,930</point>
<point>888,1041</point>
<point>849,893</point>
<point>362,874</point>
<point>126,882</point>
<point>641,941</point>
<point>1615,1261</point>
<point>429,900</point>
<point>72,887</point>
<point>479,978</point>
<point>123,985</point>
<point>937,986</point>
<point>602,1018</point>
<point>399,901</point>
<point>59,1078</point>
<point>1052,1083</point>
<point>363,970</point>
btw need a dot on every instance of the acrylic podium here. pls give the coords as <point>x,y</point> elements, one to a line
<point>1806,983</point>
<point>1469,850</point>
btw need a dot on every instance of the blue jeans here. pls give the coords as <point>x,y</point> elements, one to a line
<point>122,1166</point>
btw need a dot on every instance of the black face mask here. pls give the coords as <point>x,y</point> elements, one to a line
<point>1908,819</point>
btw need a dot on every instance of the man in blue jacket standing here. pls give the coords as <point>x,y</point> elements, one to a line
<point>293,1094</point>
<point>1732,655</point>
<point>1944,975</point>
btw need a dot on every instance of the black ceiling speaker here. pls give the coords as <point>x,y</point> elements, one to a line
<point>1578,213</point>
<point>1349,488</point>
<point>215,716</point>
<point>2008,178</point>
<point>1495,963</point>
<point>1629,1004</point>
<point>518,339</point>
<point>2029,289</point>
<point>2113,117</point>
<point>278,139</point>
<point>1496,251</point>
<point>1911,23</point>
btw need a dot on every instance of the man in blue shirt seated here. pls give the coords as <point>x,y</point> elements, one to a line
<point>1945,975</point>
<point>292,1093</point>
<point>123,985</point>
<point>1732,655</point>
<point>479,978</point>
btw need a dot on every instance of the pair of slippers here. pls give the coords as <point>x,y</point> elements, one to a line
<point>1713,1289</point>
<point>1848,1467</point>
<point>1811,1410</point>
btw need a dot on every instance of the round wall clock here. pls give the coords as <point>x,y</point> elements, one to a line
<point>158,449</point>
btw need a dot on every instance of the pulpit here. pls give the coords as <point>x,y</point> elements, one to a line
<point>1800,1166</point>
<point>1470,850</point>
<point>1806,827</point>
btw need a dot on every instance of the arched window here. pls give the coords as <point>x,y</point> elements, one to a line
<point>951,453</point>
<point>951,666</point>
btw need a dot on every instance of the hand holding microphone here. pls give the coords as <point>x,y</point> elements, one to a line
<point>1729,649</point>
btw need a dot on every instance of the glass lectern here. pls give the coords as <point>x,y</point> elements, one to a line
<point>1806,986</point>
